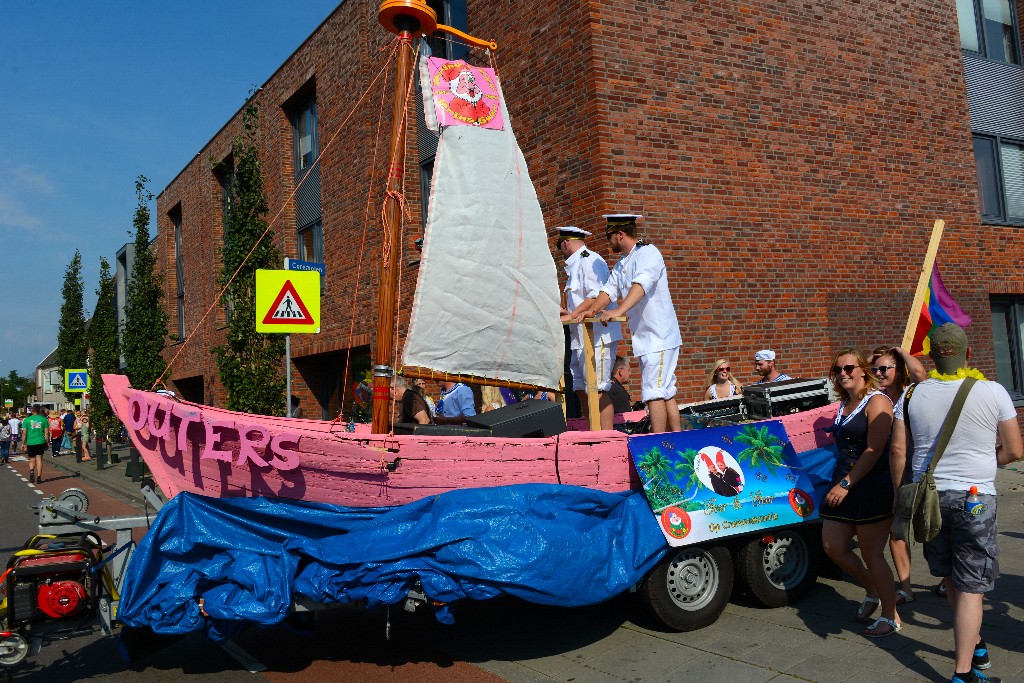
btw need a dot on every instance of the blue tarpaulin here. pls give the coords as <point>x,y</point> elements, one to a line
<point>247,558</point>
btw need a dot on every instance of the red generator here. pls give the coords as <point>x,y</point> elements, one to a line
<point>51,579</point>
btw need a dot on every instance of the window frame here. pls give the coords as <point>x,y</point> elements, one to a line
<point>1014,306</point>
<point>979,28</point>
<point>317,228</point>
<point>1003,218</point>
<point>179,271</point>
<point>305,107</point>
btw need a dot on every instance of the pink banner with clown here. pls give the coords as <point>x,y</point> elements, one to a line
<point>465,95</point>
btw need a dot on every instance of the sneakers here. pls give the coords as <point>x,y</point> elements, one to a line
<point>31,476</point>
<point>981,660</point>
<point>975,677</point>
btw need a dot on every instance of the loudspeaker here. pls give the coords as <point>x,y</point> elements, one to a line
<point>530,418</point>
<point>439,430</point>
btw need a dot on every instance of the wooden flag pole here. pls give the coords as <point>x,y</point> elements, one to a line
<point>923,283</point>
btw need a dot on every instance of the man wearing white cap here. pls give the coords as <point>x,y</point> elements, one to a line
<point>764,365</point>
<point>586,273</point>
<point>639,285</point>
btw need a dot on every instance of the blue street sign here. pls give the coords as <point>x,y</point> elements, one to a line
<point>296,264</point>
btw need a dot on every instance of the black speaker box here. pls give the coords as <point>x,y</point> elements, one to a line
<point>439,430</point>
<point>530,418</point>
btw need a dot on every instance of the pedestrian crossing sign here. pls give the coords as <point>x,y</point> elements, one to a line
<point>287,301</point>
<point>76,380</point>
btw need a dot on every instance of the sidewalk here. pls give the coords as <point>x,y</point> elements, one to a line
<point>114,478</point>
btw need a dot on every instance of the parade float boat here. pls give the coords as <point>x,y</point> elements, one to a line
<point>485,309</point>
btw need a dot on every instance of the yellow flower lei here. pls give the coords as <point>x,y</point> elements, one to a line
<point>962,373</point>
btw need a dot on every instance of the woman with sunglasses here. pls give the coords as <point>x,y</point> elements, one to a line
<point>721,382</point>
<point>894,369</point>
<point>860,500</point>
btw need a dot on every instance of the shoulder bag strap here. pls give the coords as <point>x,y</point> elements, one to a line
<point>949,424</point>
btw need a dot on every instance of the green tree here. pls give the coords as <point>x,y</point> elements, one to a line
<point>686,472</point>
<point>16,388</point>
<point>105,356</point>
<point>145,327</point>
<point>762,447</point>
<point>249,362</point>
<point>72,343</point>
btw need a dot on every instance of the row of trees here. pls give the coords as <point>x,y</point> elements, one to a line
<point>249,362</point>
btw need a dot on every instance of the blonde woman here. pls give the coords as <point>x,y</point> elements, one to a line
<point>721,383</point>
<point>860,500</point>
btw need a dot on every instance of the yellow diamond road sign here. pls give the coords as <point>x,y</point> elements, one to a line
<point>287,301</point>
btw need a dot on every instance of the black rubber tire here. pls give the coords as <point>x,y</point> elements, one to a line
<point>690,587</point>
<point>779,572</point>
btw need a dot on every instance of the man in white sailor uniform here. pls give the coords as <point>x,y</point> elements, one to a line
<point>586,273</point>
<point>638,285</point>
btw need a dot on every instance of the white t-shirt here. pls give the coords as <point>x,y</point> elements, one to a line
<point>970,457</point>
<point>15,424</point>
<point>652,321</point>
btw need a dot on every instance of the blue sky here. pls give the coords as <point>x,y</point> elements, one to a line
<point>92,94</point>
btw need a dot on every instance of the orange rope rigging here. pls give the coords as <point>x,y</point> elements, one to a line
<point>273,222</point>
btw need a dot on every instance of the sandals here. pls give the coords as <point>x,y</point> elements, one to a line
<point>867,608</point>
<point>903,597</point>
<point>889,625</point>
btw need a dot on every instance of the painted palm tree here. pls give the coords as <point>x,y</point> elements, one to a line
<point>762,448</point>
<point>686,473</point>
<point>655,465</point>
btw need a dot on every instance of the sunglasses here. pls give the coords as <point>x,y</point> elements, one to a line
<point>725,368</point>
<point>882,369</point>
<point>848,369</point>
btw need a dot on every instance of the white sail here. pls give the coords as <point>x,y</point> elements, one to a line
<point>487,297</point>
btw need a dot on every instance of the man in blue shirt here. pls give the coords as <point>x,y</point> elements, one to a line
<point>456,404</point>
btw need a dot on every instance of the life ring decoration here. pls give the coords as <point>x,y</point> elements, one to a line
<point>676,522</point>
<point>801,502</point>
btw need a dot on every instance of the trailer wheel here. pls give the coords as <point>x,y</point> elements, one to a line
<point>778,568</point>
<point>691,587</point>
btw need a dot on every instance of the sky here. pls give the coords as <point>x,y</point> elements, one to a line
<point>93,94</point>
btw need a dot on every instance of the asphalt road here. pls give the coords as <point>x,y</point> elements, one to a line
<point>338,645</point>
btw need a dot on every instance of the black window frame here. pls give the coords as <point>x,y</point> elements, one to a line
<point>179,270</point>
<point>1002,217</point>
<point>979,27</point>
<point>305,107</point>
<point>1011,308</point>
<point>317,229</point>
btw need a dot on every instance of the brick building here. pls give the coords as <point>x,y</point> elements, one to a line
<point>790,159</point>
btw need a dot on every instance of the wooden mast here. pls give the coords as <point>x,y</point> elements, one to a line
<point>404,18</point>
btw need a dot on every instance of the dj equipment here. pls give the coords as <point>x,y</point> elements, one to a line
<point>439,430</point>
<point>530,418</point>
<point>782,398</point>
<point>710,413</point>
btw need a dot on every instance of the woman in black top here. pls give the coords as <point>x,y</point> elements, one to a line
<point>860,500</point>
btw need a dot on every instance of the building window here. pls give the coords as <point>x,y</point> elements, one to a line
<point>179,270</point>
<point>311,242</point>
<point>1008,338</point>
<point>306,142</point>
<point>999,164</point>
<point>989,27</point>
<point>426,181</point>
<point>225,173</point>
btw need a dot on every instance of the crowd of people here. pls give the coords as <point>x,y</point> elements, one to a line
<point>34,432</point>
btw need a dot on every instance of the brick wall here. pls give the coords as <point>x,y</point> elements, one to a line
<point>790,159</point>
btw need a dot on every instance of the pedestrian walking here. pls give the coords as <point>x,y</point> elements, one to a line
<point>37,435</point>
<point>56,433</point>
<point>5,442</point>
<point>984,436</point>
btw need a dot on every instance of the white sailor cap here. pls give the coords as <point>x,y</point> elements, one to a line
<point>571,232</point>
<point>622,218</point>
<point>764,354</point>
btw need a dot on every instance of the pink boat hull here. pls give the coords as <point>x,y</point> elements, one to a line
<point>220,453</point>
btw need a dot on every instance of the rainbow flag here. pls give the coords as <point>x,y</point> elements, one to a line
<point>938,308</point>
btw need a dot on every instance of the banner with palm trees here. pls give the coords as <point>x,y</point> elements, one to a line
<point>709,483</point>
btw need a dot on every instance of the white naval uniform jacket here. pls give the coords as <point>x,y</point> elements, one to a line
<point>652,321</point>
<point>586,272</point>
